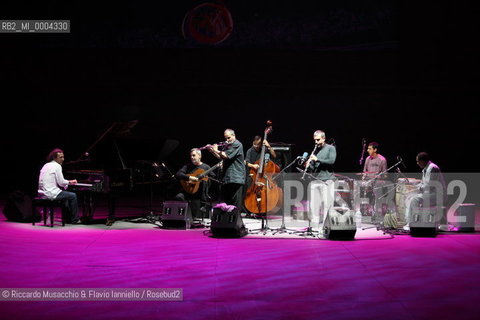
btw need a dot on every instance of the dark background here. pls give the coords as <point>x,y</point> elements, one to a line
<point>403,76</point>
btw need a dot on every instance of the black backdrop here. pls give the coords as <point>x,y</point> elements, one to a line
<point>417,92</point>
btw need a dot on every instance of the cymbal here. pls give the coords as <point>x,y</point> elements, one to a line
<point>342,209</point>
<point>366,172</point>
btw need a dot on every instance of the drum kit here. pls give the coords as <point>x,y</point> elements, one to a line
<point>369,189</point>
<point>376,199</point>
<point>382,202</point>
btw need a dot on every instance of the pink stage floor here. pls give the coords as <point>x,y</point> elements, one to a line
<point>256,277</point>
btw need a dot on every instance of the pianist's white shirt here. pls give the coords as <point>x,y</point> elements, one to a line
<point>50,180</point>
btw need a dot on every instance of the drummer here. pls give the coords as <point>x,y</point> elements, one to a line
<point>374,171</point>
<point>375,163</point>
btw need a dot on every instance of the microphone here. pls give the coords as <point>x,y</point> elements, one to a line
<point>303,158</point>
<point>364,141</point>
<point>267,157</point>
<point>399,159</point>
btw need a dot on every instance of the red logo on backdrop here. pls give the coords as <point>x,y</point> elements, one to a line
<point>208,23</point>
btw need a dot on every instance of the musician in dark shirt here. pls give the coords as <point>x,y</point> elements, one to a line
<point>233,168</point>
<point>186,173</point>
<point>253,155</point>
<point>321,191</point>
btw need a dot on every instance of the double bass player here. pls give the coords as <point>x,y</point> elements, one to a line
<point>262,194</point>
<point>253,155</point>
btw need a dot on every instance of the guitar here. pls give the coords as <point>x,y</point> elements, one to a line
<point>192,186</point>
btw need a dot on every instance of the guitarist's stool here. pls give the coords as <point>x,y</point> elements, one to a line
<point>176,215</point>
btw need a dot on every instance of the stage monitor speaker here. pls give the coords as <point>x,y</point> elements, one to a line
<point>176,215</point>
<point>340,224</point>
<point>465,212</point>
<point>18,208</point>
<point>227,224</point>
<point>424,222</point>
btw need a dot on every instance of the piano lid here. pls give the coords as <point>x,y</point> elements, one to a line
<point>104,141</point>
<point>127,145</point>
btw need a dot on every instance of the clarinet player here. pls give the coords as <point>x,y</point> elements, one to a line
<point>321,190</point>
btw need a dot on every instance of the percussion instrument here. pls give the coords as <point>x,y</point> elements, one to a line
<point>405,188</point>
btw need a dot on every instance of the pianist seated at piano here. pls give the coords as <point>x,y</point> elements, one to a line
<point>52,184</point>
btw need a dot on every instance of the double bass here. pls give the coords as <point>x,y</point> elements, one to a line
<point>263,195</point>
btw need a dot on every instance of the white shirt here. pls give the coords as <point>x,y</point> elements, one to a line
<point>431,175</point>
<point>50,180</point>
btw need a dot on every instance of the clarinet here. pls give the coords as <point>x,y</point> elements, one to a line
<point>307,164</point>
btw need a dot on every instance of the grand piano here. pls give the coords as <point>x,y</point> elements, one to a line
<point>101,169</point>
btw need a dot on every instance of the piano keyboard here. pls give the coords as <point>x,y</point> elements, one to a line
<point>84,185</point>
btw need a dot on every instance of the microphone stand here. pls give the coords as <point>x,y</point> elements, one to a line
<point>282,228</point>
<point>383,172</point>
<point>395,185</point>
<point>307,173</point>
<point>308,231</point>
<point>362,158</point>
<point>400,160</point>
<point>288,166</point>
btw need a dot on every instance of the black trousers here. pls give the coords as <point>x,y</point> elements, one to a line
<point>232,194</point>
<point>194,203</point>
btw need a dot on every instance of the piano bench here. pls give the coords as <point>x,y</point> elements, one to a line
<point>48,206</point>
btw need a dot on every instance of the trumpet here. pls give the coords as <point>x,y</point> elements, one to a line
<point>220,144</point>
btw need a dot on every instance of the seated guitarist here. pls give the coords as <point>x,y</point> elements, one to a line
<point>186,173</point>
